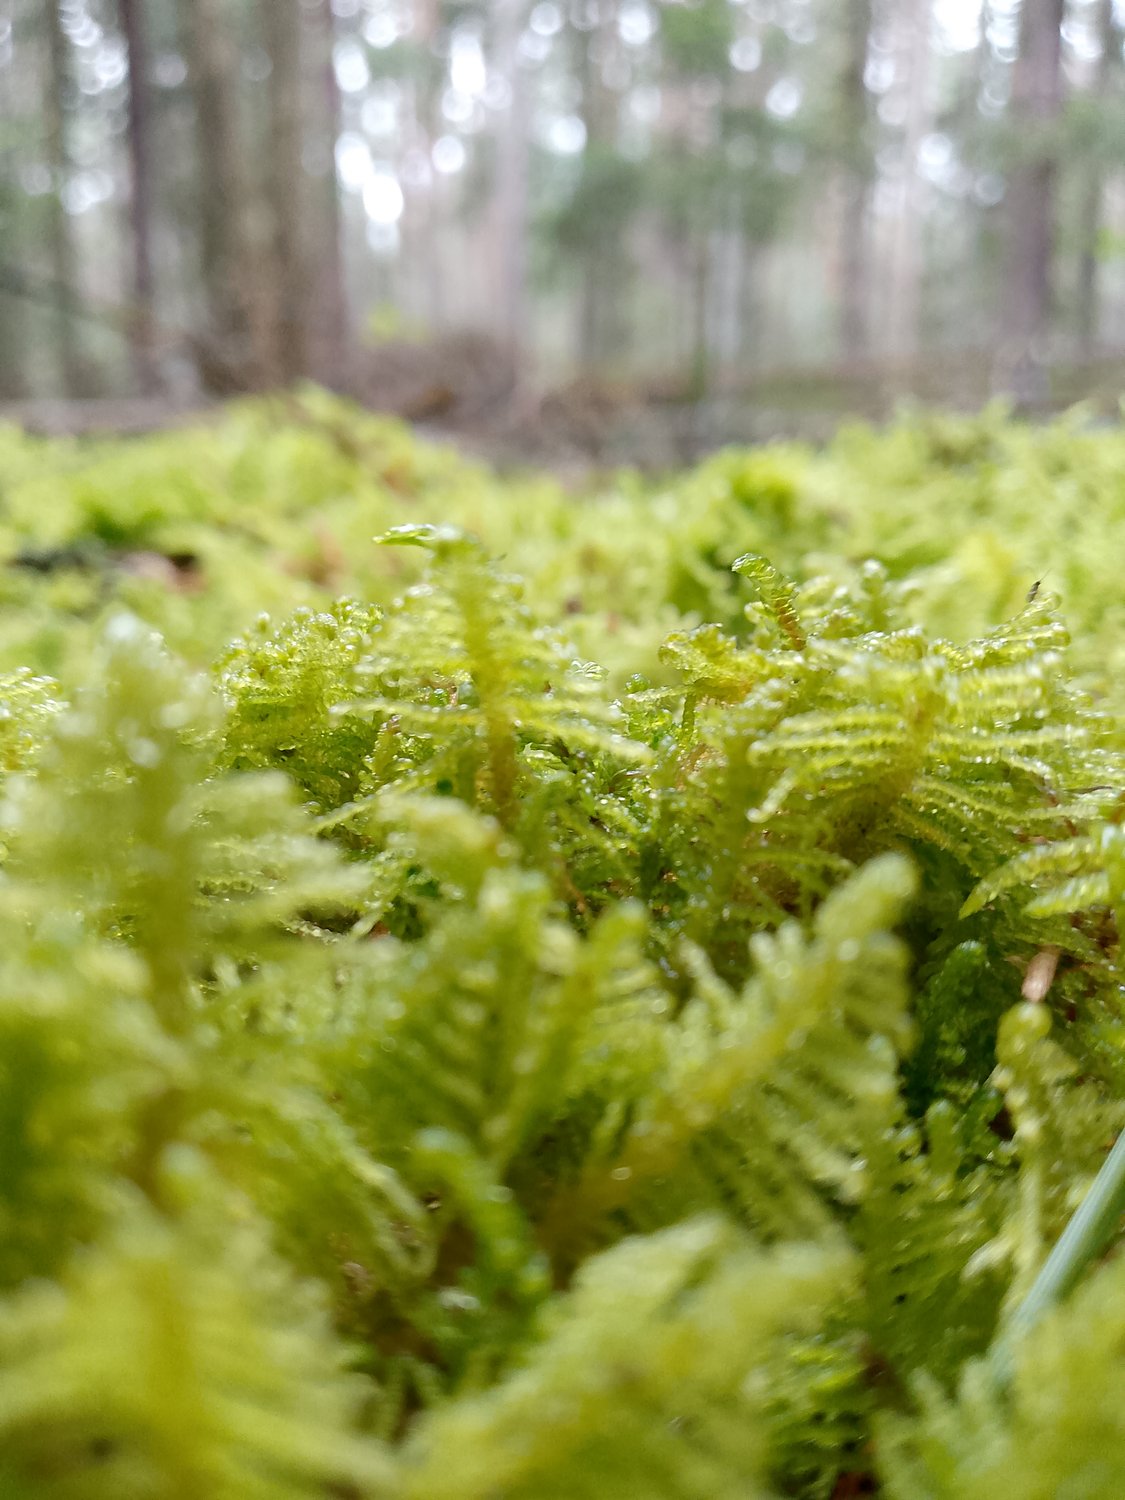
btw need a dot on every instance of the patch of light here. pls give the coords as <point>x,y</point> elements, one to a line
<point>892,110</point>
<point>801,30</point>
<point>498,93</point>
<point>448,155</point>
<point>935,152</point>
<point>85,190</point>
<point>636,24</point>
<point>111,66</point>
<point>879,73</point>
<point>958,23</point>
<point>746,54</point>
<point>988,189</point>
<point>456,107</point>
<point>352,73</point>
<point>381,30</point>
<point>380,110</point>
<point>382,239</point>
<point>784,99</point>
<point>1082,39</point>
<point>353,160</point>
<point>533,47</point>
<point>644,103</point>
<point>566,136</point>
<point>81,31</point>
<point>467,71</point>
<point>383,200</point>
<point>1003,33</point>
<point>546,19</point>
<point>170,70</point>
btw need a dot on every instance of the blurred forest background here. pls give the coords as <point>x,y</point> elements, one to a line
<point>748,210</point>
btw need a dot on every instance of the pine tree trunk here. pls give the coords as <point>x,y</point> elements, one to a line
<point>700,299</point>
<point>330,302</point>
<point>140,192</point>
<point>13,323</point>
<point>604,316</point>
<point>281,24</point>
<point>436,233</point>
<point>1036,104</point>
<point>512,185</point>
<point>62,253</point>
<point>14,371</point>
<point>230,353</point>
<point>1093,192</point>
<point>854,317</point>
<point>904,294</point>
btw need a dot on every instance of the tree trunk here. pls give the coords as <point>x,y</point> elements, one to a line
<point>904,293</point>
<point>14,364</point>
<point>513,149</point>
<point>229,353</point>
<point>140,192</point>
<point>281,24</point>
<point>700,253</point>
<point>1036,104</point>
<point>62,255</point>
<point>857,181</point>
<point>329,313</point>
<point>1093,191</point>
<point>602,335</point>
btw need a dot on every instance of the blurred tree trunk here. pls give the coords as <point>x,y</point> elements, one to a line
<point>330,297</point>
<point>61,248</point>
<point>700,379</point>
<point>854,240</point>
<point>590,305</point>
<point>1036,104</point>
<point>231,353</point>
<point>14,364</point>
<point>13,331</point>
<point>140,191</point>
<point>600,331</point>
<point>904,292</point>
<point>281,27</point>
<point>431,33</point>
<point>512,184</point>
<point>1093,192</point>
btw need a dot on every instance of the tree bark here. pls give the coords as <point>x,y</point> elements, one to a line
<point>854,316</point>
<point>1093,191</point>
<point>512,185</point>
<point>281,24</point>
<point>140,192</point>
<point>230,354</point>
<point>600,323</point>
<point>1036,104</point>
<point>329,312</point>
<point>905,282</point>
<point>435,235</point>
<point>62,252</point>
<point>14,372</point>
<point>700,300</point>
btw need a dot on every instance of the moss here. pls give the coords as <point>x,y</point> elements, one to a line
<point>530,1006</point>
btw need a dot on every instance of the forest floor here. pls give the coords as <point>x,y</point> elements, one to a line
<point>462,390</point>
